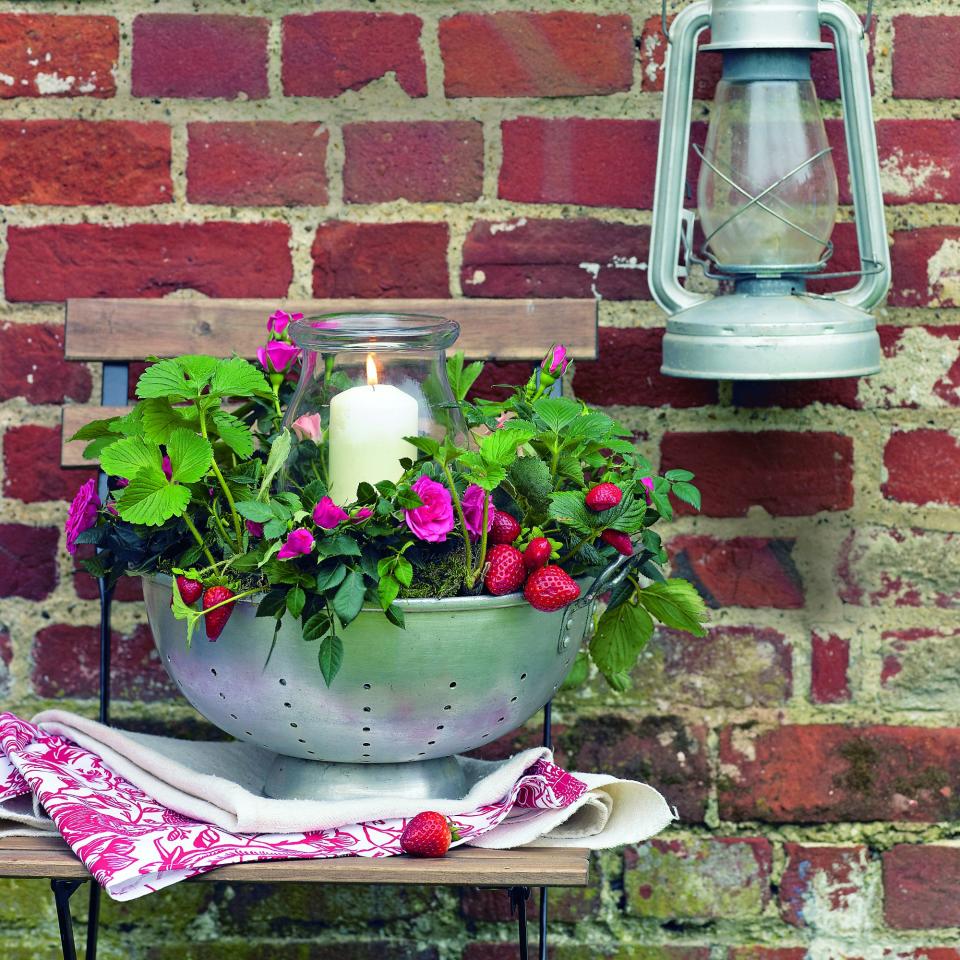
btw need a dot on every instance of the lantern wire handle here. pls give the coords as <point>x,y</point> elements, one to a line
<point>866,24</point>
<point>759,197</point>
<point>663,19</point>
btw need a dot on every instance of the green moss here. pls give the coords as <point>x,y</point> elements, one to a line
<point>863,758</point>
<point>439,570</point>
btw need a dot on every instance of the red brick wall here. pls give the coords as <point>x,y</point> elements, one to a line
<point>812,742</point>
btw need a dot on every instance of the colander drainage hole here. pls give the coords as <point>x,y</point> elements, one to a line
<point>222,696</point>
<point>422,754</point>
<point>523,676</point>
<point>214,672</point>
<point>449,706</point>
<point>233,716</point>
<point>367,709</point>
<point>440,727</point>
<point>248,733</point>
<point>366,744</point>
<point>366,729</point>
<point>283,682</point>
<point>288,705</point>
<point>312,753</point>
<point>513,699</point>
<point>501,719</point>
<point>292,724</point>
<point>366,686</point>
<point>453,683</point>
<point>300,741</point>
<point>366,754</point>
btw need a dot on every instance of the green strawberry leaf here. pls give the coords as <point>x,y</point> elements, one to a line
<point>254,510</point>
<point>237,377</point>
<point>234,433</point>
<point>621,635</point>
<point>675,603</point>
<point>556,413</point>
<point>127,457</point>
<point>94,429</point>
<point>151,500</point>
<point>166,378</point>
<point>190,456</point>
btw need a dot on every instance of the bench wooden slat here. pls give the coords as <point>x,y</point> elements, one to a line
<point>465,866</point>
<point>132,329</point>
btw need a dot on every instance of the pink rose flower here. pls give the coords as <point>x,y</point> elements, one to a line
<point>277,356</point>
<point>253,528</point>
<point>556,361</point>
<point>298,543</point>
<point>361,514</point>
<point>648,483</point>
<point>327,514</point>
<point>308,427</point>
<point>434,519</point>
<point>472,503</point>
<point>82,514</point>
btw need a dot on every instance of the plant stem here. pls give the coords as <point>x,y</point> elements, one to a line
<point>223,603</point>
<point>483,535</point>
<point>196,536</point>
<point>219,522</point>
<point>470,578</point>
<point>575,549</point>
<point>223,484</point>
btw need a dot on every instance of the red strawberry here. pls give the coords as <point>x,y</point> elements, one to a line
<point>504,529</point>
<point>428,834</point>
<point>537,553</point>
<point>550,588</point>
<point>217,619</point>
<point>190,590</point>
<point>619,541</point>
<point>505,570</point>
<point>604,496</point>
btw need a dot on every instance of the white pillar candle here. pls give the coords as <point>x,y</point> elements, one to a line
<point>367,427</point>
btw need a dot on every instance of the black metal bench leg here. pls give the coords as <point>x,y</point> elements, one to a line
<point>518,904</point>
<point>547,742</point>
<point>63,890</point>
<point>93,922</point>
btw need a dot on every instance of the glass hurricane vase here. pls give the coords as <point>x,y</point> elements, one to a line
<point>367,382</point>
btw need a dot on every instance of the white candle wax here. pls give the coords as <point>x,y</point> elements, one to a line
<point>367,427</point>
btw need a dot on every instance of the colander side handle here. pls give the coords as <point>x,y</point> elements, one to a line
<point>609,577</point>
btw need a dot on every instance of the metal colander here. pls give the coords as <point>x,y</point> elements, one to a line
<point>464,671</point>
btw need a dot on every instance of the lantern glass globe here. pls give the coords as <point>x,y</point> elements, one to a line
<point>762,132</point>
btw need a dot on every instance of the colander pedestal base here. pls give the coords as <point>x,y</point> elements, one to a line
<point>291,778</point>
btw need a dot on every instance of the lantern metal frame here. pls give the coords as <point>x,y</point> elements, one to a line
<point>770,328</point>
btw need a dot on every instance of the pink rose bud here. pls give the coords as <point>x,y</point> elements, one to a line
<point>277,356</point>
<point>254,529</point>
<point>298,543</point>
<point>308,427</point>
<point>278,322</point>
<point>362,514</point>
<point>433,520</point>
<point>556,361</point>
<point>167,467</point>
<point>82,514</point>
<point>472,504</point>
<point>327,514</point>
<point>648,483</point>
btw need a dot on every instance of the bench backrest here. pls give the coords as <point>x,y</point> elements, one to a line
<point>119,331</point>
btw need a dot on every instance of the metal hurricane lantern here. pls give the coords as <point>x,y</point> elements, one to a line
<point>767,198</point>
<point>464,670</point>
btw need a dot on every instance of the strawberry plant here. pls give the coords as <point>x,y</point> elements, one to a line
<point>209,484</point>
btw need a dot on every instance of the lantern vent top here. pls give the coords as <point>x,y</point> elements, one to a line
<point>765,25</point>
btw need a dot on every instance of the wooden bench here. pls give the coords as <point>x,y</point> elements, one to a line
<point>116,332</point>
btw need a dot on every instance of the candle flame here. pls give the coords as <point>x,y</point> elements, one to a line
<point>372,378</point>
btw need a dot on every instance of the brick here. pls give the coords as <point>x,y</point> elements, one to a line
<point>6,657</point>
<point>556,258</point>
<point>859,773</point>
<point>199,56</point>
<point>597,163</point>
<point>66,663</point>
<point>653,53</point>
<point>32,365</point>
<point>589,951</point>
<point>217,259</point>
<point>829,669</point>
<point>698,879</point>
<point>53,56</point>
<point>920,883</point>
<point>787,474</point>
<point>729,667</point>
<point>627,371</point>
<point>922,466</point>
<point>658,750</point>
<point>128,589</point>
<point>307,949</point>
<point>423,161</point>
<point>769,953</point>
<point>494,382</point>
<point>926,267</point>
<point>741,572</point>
<point>72,162</point>
<point>920,668</point>
<point>567,905</point>
<point>325,54</point>
<point>824,887</point>
<point>794,394</point>
<point>263,163</point>
<point>31,463</point>
<point>880,567</point>
<point>28,560</point>
<point>381,260</point>
<point>924,57</point>
<point>919,160</point>
<point>521,54</point>
<point>921,369</point>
